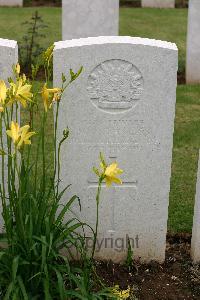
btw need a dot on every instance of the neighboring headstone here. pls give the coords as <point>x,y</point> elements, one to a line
<point>8,57</point>
<point>195,244</point>
<point>11,2</point>
<point>89,18</point>
<point>193,43</point>
<point>158,3</point>
<point>123,105</point>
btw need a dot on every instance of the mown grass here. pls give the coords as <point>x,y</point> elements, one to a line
<point>167,24</point>
<point>12,19</point>
<point>185,158</point>
<point>163,24</point>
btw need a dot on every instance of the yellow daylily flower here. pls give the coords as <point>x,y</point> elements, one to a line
<point>14,132</point>
<point>108,173</point>
<point>50,95</point>
<point>25,136</point>
<point>21,92</point>
<point>19,135</point>
<point>121,294</point>
<point>3,91</point>
<point>111,173</point>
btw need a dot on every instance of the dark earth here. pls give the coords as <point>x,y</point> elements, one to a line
<point>176,279</point>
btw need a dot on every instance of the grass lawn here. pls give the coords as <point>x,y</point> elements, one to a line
<point>12,19</point>
<point>166,24</point>
<point>163,24</point>
<point>185,158</point>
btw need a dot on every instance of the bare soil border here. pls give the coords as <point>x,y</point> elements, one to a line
<point>178,278</point>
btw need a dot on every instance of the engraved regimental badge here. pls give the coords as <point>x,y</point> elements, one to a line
<point>115,86</point>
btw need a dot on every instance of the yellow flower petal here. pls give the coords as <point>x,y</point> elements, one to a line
<point>50,95</point>
<point>111,173</point>
<point>19,135</point>
<point>17,68</point>
<point>3,91</point>
<point>21,92</point>
<point>116,180</point>
<point>108,182</point>
<point>14,132</point>
<point>121,294</point>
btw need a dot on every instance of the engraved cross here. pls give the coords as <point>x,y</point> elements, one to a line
<point>93,183</point>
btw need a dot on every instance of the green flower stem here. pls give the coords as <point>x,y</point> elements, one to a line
<point>2,183</point>
<point>97,214</point>
<point>36,162</point>
<point>9,150</point>
<point>55,139</point>
<point>31,127</point>
<point>57,154</point>
<point>2,158</point>
<point>43,151</point>
<point>59,149</point>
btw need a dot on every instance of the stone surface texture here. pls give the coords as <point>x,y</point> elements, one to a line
<point>123,104</point>
<point>11,2</point>
<point>89,18</point>
<point>158,3</point>
<point>8,57</point>
<point>195,244</point>
<point>193,43</point>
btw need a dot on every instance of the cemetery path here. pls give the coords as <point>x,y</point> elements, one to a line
<point>176,279</point>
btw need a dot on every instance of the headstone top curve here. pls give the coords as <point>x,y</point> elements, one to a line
<point>114,40</point>
<point>8,43</point>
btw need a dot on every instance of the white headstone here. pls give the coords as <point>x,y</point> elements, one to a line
<point>158,3</point>
<point>123,105</point>
<point>8,57</point>
<point>11,2</point>
<point>193,43</point>
<point>195,244</point>
<point>89,18</point>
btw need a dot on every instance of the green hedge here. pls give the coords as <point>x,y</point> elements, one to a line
<point>41,2</point>
<point>137,3</point>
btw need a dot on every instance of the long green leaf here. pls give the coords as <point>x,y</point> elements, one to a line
<point>15,265</point>
<point>22,287</point>
<point>60,284</point>
<point>65,209</point>
<point>9,291</point>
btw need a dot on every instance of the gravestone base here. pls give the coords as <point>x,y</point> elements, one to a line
<point>158,3</point>
<point>11,2</point>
